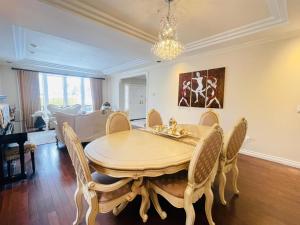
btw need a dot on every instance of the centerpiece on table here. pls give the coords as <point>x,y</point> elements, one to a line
<point>171,130</point>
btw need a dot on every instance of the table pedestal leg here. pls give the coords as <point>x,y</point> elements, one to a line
<point>145,205</point>
<point>139,187</point>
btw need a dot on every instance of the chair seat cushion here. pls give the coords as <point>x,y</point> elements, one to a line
<point>12,153</point>
<point>174,184</point>
<point>109,196</point>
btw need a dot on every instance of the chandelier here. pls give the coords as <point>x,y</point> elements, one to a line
<point>167,47</point>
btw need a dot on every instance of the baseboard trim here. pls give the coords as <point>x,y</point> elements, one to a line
<point>271,158</point>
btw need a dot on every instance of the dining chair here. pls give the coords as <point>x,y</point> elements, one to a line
<point>116,122</point>
<point>185,188</point>
<point>12,154</point>
<point>102,193</point>
<point>209,118</point>
<point>229,157</point>
<point>153,118</point>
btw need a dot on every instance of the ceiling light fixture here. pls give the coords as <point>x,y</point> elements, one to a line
<point>167,47</point>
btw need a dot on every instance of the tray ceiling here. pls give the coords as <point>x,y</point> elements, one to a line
<point>104,37</point>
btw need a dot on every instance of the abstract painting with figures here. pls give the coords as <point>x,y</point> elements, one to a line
<point>198,88</point>
<point>184,89</point>
<point>204,89</point>
<point>215,88</point>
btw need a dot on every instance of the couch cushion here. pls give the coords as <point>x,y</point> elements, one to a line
<point>73,109</point>
<point>174,184</point>
<point>108,196</point>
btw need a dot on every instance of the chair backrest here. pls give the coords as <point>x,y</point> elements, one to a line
<point>76,153</point>
<point>209,118</point>
<point>153,118</point>
<point>206,156</point>
<point>236,139</point>
<point>117,122</point>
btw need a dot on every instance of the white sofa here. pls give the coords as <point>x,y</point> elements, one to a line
<point>53,109</point>
<point>88,127</point>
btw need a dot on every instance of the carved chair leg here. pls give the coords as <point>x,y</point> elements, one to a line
<point>79,206</point>
<point>222,184</point>
<point>118,209</point>
<point>145,204</point>
<point>235,173</point>
<point>32,162</point>
<point>188,207</point>
<point>92,211</point>
<point>154,199</point>
<point>208,205</point>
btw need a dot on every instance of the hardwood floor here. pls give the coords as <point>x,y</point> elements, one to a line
<point>270,195</point>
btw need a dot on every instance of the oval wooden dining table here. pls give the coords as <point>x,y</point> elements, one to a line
<point>140,153</point>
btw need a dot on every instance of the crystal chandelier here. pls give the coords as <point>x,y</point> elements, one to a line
<point>167,47</point>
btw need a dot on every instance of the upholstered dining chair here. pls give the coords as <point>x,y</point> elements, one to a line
<point>185,188</point>
<point>102,193</point>
<point>229,156</point>
<point>116,122</point>
<point>153,118</point>
<point>12,154</point>
<point>209,118</point>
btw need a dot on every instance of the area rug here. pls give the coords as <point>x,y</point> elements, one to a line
<point>42,137</point>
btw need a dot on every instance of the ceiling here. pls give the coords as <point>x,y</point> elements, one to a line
<point>99,37</point>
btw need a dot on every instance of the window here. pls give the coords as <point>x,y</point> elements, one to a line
<point>42,92</point>
<point>65,90</point>
<point>88,104</point>
<point>74,91</point>
<point>55,90</point>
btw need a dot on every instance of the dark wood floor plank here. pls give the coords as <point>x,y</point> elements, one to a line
<point>269,196</point>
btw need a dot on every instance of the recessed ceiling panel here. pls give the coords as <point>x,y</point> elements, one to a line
<point>197,18</point>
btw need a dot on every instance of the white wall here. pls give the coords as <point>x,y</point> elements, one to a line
<point>8,85</point>
<point>262,83</point>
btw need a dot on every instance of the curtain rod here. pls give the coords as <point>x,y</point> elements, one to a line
<point>14,68</point>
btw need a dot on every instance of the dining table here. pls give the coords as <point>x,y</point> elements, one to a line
<point>142,153</point>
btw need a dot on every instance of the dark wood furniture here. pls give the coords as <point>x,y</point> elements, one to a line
<point>15,132</point>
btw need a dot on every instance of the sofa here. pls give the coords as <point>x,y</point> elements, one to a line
<point>53,109</point>
<point>88,127</point>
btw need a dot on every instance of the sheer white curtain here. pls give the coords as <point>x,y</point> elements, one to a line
<point>29,95</point>
<point>96,91</point>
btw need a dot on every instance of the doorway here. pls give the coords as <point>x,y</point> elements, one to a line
<point>133,92</point>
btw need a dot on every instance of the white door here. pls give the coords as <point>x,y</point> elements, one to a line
<point>135,101</point>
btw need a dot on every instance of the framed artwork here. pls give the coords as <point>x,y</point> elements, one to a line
<point>184,90</point>
<point>198,88</point>
<point>203,89</point>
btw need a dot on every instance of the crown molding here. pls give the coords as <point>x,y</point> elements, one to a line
<point>55,68</point>
<point>279,15</point>
<point>126,66</point>
<point>90,12</point>
<point>19,39</point>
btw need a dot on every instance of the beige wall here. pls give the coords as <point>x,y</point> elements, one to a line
<point>262,83</point>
